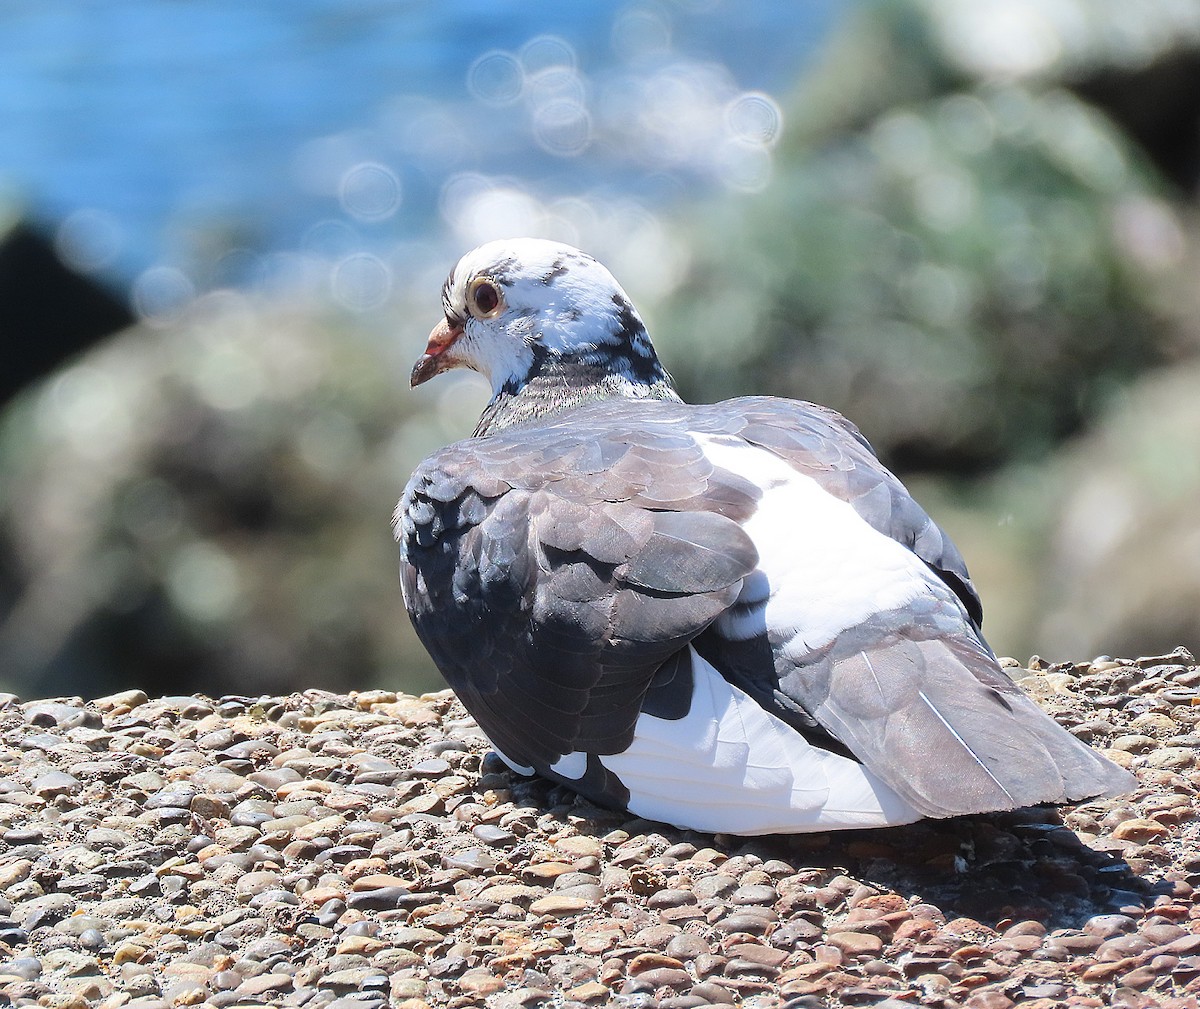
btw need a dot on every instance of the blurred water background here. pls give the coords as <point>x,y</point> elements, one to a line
<point>224,227</point>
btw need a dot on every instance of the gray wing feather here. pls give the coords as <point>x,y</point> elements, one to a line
<point>934,716</point>
<point>690,552</point>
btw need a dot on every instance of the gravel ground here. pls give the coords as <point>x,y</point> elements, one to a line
<point>364,850</point>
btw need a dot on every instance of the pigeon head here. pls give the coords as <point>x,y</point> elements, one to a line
<point>526,310</point>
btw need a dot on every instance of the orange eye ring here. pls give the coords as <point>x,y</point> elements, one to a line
<point>484,298</point>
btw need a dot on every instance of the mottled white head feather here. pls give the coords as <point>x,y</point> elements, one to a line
<point>528,305</point>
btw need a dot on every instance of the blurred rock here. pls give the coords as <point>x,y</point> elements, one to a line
<point>205,508</point>
<point>955,251</point>
<point>1122,572</point>
<point>48,311</point>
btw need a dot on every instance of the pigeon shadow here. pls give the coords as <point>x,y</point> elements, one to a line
<point>997,869</point>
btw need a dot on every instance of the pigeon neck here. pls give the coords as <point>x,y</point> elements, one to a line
<point>562,384</point>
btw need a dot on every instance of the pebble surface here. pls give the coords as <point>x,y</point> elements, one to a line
<point>364,851</point>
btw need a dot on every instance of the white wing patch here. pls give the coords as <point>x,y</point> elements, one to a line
<point>729,766</point>
<point>519,768</point>
<point>573,765</point>
<point>824,568</point>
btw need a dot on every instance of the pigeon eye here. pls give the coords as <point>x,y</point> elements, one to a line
<point>486,301</point>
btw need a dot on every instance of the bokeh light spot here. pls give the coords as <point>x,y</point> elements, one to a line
<point>639,34</point>
<point>203,582</point>
<point>161,294</point>
<point>745,167</point>
<point>939,295</point>
<point>945,199</point>
<point>370,192</point>
<point>93,410</point>
<point>1015,39</point>
<point>755,118</point>
<point>496,78</point>
<point>89,240</point>
<point>967,124</point>
<point>361,282</point>
<point>556,84</point>
<point>903,141</point>
<point>479,210</point>
<point>319,165</point>
<point>545,51</point>
<point>227,378</point>
<point>562,127</point>
<point>331,238</point>
<point>330,444</point>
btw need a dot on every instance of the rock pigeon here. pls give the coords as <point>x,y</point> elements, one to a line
<point>726,617</point>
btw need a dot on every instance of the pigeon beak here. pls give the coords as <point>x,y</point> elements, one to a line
<point>435,360</point>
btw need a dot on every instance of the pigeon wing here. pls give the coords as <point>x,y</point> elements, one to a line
<point>555,572</point>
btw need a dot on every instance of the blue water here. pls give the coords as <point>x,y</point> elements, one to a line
<point>185,130</point>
